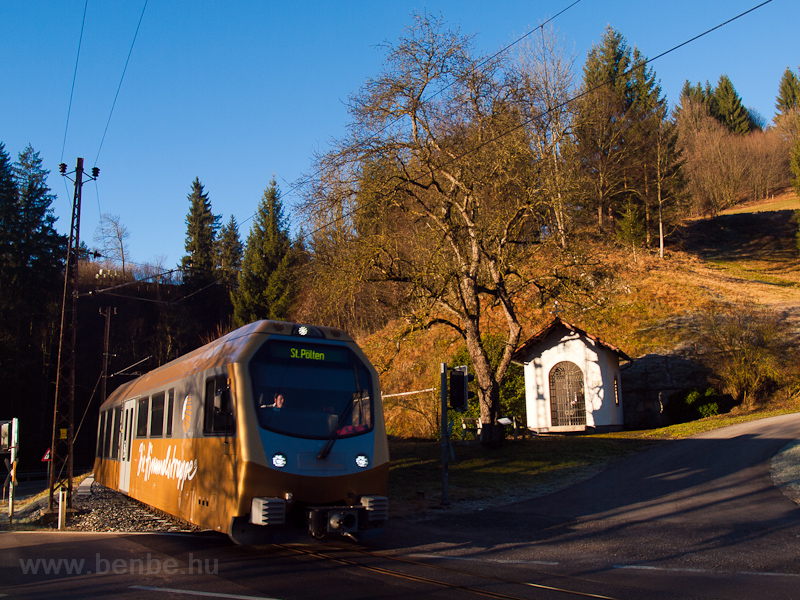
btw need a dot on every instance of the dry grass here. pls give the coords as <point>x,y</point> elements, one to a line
<point>786,200</point>
<point>644,308</point>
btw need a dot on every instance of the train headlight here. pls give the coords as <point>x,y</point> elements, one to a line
<point>362,461</point>
<point>279,460</point>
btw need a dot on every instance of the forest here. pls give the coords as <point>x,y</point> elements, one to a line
<point>466,187</point>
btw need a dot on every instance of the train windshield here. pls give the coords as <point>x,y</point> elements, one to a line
<point>311,390</point>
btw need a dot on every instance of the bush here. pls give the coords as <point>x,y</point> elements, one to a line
<point>690,405</point>
<point>749,349</point>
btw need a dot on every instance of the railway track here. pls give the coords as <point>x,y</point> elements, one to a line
<point>449,578</point>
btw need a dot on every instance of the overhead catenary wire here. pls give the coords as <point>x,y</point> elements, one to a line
<point>455,159</point>
<point>74,77</point>
<point>296,186</point>
<point>119,87</point>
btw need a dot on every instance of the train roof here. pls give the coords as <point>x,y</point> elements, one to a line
<point>222,351</point>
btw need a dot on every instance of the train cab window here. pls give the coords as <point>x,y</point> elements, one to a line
<point>170,410</point>
<point>157,415</point>
<point>311,390</point>
<point>218,408</point>
<point>143,405</point>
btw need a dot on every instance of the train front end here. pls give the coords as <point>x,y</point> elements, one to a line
<point>316,452</point>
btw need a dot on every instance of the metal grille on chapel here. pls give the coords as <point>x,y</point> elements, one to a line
<point>567,402</point>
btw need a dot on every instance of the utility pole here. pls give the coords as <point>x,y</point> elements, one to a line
<point>64,406</point>
<point>107,314</point>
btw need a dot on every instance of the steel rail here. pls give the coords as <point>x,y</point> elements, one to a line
<point>420,579</point>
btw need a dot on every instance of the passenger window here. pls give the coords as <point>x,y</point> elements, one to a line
<point>218,408</point>
<point>109,433</point>
<point>170,410</point>
<point>141,417</point>
<point>157,415</point>
<point>115,429</point>
<point>101,435</point>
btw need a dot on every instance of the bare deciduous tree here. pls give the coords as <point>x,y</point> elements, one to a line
<point>440,188</point>
<point>112,235</point>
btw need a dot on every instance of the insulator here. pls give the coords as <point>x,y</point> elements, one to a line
<point>62,168</point>
<point>95,172</point>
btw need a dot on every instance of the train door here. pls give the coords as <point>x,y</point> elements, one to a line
<point>127,441</point>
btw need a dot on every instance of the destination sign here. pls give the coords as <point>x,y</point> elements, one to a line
<point>310,353</point>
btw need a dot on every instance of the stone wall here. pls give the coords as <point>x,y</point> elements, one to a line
<point>648,383</point>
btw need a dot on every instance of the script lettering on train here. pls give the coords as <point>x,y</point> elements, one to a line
<point>169,467</point>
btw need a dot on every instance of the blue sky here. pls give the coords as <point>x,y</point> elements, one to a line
<point>234,92</point>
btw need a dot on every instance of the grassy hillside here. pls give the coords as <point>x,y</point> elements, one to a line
<point>748,253</point>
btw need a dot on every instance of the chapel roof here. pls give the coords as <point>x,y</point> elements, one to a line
<point>555,324</point>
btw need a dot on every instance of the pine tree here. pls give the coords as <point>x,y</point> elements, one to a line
<point>266,289</point>
<point>729,108</point>
<point>229,261</point>
<point>204,311</point>
<point>794,160</point>
<point>8,211</point>
<point>616,129</point>
<point>229,253</point>
<point>788,92</point>
<point>601,127</point>
<point>201,231</point>
<point>32,257</point>
<point>38,250</point>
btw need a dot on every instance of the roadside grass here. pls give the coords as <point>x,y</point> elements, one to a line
<point>525,469</point>
<point>519,469</point>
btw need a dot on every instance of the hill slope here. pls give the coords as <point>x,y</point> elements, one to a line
<point>746,254</point>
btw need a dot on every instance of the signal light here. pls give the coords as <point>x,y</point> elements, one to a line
<point>459,388</point>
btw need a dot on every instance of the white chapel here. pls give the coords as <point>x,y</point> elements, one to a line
<point>572,380</point>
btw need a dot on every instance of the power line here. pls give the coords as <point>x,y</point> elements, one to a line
<point>74,76</point>
<point>539,27</point>
<point>113,104</point>
<point>537,116</point>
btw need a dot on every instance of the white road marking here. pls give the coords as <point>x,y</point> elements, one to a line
<point>199,593</point>
<point>486,560</point>
<point>704,571</point>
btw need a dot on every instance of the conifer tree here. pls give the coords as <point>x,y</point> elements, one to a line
<point>794,160</point>
<point>729,108</point>
<point>201,232</point>
<point>229,261</point>
<point>32,257</point>
<point>38,251</point>
<point>618,121</point>
<point>266,289</point>
<point>8,210</point>
<point>230,251</point>
<point>788,92</point>
<point>204,307</point>
<point>601,127</point>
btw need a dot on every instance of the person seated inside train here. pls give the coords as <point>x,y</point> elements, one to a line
<point>277,402</point>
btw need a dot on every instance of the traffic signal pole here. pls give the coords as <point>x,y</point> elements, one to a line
<point>445,438</point>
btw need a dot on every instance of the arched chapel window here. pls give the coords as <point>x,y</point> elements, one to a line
<point>567,400</point>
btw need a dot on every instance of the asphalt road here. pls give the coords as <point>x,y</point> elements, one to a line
<point>696,518</point>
